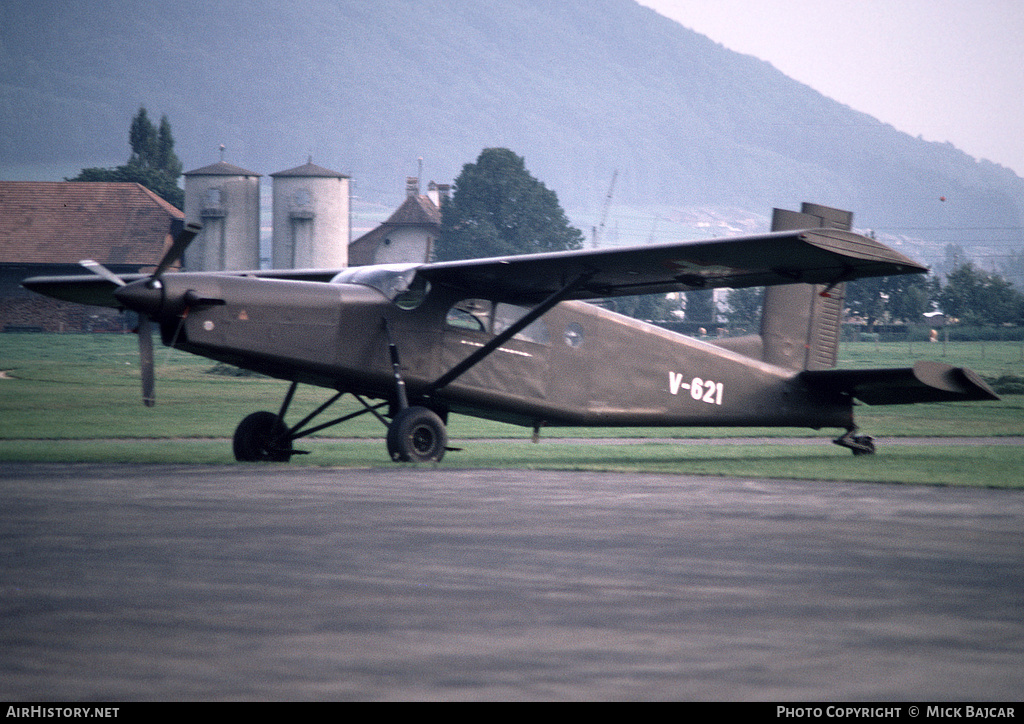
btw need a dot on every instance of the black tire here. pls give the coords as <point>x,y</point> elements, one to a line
<point>417,435</point>
<point>868,444</point>
<point>262,437</point>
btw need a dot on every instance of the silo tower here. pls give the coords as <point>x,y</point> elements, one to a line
<point>225,199</point>
<point>311,218</point>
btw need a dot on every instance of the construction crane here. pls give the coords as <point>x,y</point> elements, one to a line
<point>599,229</point>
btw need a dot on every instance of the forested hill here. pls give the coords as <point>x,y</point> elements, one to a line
<point>370,86</point>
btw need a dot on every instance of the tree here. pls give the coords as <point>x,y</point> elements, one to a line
<point>166,159</point>
<point>1012,268</point>
<point>499,209</point>
<point>142,136</point>
<point>152,163</point>
<point>700,307</point>
<point>902,298</point>
<point>743,307</point>
<point>648,307</point>
<point>976,297</point>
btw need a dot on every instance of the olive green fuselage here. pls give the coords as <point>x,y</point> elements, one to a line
<point>579,365</point>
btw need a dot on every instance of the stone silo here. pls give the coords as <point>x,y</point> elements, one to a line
<point>311,218</point>
<point>225,199</point>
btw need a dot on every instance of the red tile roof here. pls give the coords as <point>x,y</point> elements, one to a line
<point>114,223</point>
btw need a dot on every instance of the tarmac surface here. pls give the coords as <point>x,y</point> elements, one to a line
<point>249,582</point>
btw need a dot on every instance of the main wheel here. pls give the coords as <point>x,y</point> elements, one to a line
<point>262,437</point>
<point>417,435</point>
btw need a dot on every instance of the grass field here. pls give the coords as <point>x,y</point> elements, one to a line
<point>68,398</point>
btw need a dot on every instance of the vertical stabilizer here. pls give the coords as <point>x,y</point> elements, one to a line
<point>801,323</point>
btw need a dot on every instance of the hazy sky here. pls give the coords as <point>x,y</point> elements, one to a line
<point>947,70</point>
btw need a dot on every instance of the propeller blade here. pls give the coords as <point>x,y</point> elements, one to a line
<point>177,248</point>
<point>146,360</point>
<point>98,269</point>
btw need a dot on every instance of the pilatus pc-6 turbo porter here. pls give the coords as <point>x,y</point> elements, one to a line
<point>512,338</point>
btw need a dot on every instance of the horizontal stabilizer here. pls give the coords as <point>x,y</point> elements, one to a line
<point>924,382</point>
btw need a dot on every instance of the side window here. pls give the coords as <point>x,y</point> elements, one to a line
<point>472,314</point>
<point>507,314</point>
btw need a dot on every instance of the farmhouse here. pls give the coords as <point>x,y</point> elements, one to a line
<point>408,235</point>
<point>46,228</point>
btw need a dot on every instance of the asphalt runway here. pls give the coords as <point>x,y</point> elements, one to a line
<point>248,582</point>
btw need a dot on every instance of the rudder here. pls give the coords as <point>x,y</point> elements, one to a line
<point>801,323</point>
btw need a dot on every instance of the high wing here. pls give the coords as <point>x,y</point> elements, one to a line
<point>818,256</point>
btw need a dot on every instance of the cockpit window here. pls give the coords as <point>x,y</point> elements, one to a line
<point>397,282</point>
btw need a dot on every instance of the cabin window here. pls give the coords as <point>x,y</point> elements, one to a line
<point>472,314</point>
<point>505,315</point>
<point>481,315</point>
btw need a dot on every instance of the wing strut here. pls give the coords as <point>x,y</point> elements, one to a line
<point>525,321</point>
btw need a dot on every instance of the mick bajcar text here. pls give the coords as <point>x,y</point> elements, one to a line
<point>879,712</point>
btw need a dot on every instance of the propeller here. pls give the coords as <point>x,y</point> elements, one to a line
<point>149,288</point>
<point>96,268</point>
<point>146,366</point>
<point>181,241</point>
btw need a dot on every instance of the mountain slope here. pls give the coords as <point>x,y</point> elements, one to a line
<point>369,86</point>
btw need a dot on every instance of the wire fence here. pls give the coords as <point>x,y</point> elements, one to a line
<point>994,352</point>
<point>994,344</point>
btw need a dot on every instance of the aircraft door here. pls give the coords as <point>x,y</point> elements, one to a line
<point>518,368</point>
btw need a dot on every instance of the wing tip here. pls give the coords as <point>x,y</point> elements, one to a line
<point>857,246</point>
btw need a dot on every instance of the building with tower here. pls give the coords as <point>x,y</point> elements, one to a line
<point>408,235</point>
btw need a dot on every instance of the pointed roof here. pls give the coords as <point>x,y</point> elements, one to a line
<point>414,211</point>
<point>309,170</point>
<point>62,222</point>
<point>221,168</point>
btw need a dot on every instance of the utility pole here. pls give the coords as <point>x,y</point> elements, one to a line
<point>599,229</point>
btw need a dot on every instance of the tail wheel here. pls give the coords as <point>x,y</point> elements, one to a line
<point>857,444</point>
<point>262,436</point>
<point>417,435</point>
<point>866,445</point>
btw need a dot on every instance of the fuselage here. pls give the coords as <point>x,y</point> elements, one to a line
<point>578,365</point>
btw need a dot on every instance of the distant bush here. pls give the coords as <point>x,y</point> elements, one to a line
<point>922,333</point>
<point>969,333</point>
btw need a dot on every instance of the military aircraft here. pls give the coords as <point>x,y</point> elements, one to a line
<point>514,339</point>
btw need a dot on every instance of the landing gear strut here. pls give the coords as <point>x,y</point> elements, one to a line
<point>416,434</point>
<point>857,444</point>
